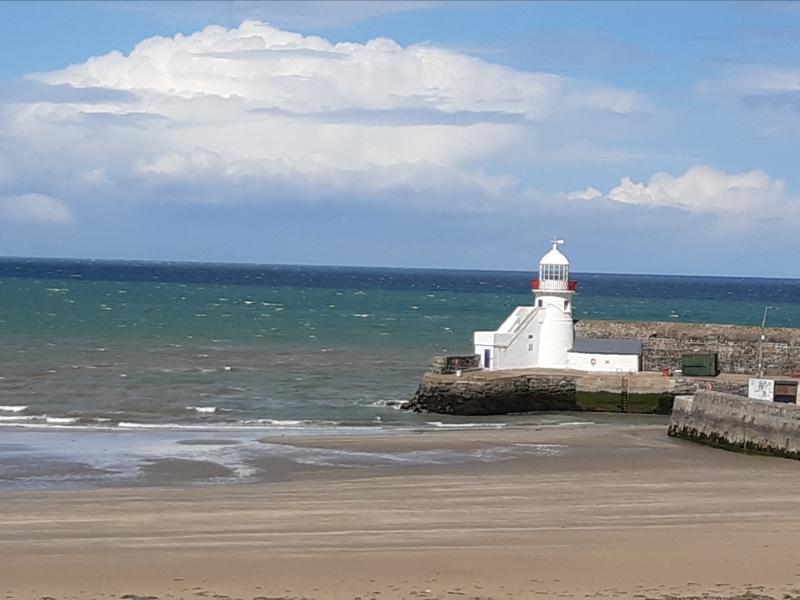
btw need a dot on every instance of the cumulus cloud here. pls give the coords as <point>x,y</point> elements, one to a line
<point>36,208</point>
<point>255,112</point>
<point>589,193</point>
<point>265,66</point>
<point>700,189</point>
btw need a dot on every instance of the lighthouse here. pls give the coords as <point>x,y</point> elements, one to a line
<point>543,335</point>
<point>552,294</point>
<point>540,335</point>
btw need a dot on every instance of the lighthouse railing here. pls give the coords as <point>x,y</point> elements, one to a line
<point>554,285</point>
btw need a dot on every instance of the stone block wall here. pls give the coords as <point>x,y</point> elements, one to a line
<point>737,423</point>
<point>737,346</point>
<point>457,396</point>
<point>450,364</point>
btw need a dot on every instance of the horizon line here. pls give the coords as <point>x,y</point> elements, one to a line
<point>198,262</point>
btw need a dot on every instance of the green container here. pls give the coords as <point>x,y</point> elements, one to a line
<point>700,365</point>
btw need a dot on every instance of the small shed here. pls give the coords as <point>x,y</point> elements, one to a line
<point>605,355</point>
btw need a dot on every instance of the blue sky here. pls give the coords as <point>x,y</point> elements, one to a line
<point>654,137</point>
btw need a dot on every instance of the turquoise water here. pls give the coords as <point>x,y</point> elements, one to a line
<point>127,345</point>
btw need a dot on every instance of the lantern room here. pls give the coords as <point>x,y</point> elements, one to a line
<point>554,272</point>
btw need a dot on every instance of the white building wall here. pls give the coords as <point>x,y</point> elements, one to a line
<point>586,361</point>
<point>516,344</point>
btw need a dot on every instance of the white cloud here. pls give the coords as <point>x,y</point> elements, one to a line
<point>589,193</point>
<point>700,189</point>
<point>262,66</point>
<point>299,113</point>
<point>36,208</point>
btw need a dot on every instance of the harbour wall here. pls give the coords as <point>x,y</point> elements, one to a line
<point>481,392</point>
<point>493,396</point>
<point>737,423</point>
<point>738,347</point>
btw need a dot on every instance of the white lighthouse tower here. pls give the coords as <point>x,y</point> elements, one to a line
<point>552,294</point>
<point>538,336</point>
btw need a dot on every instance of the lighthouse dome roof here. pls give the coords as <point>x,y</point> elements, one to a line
<point>554,256</point>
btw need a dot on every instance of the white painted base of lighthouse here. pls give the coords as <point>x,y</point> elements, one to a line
<point>532,336</point>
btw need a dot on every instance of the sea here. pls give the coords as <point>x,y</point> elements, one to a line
<point>167,352</point>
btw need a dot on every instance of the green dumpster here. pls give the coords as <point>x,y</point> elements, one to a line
<point>700,365</point>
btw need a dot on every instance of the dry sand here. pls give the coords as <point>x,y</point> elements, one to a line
<point>624,512</point>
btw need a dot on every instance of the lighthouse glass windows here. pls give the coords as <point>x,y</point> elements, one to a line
<point>554,273</point>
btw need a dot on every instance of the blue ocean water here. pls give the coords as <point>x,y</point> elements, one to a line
<point>132,344</point>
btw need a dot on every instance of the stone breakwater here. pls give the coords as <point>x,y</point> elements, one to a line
<point>739,348</point>
<point>481,392</point>
<point>494,396</point>
<point>737,423</point>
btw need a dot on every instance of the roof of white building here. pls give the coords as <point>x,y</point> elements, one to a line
<point>606,346</point>
<point>554,256</point>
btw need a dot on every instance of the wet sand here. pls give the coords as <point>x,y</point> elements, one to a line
<point>617,512</point>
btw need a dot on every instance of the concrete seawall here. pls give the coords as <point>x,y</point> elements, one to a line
<point>737,423</point>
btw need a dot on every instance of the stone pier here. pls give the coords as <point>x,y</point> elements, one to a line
<point>737,423</point>
<point>480,392</point>
<point>494,395</point>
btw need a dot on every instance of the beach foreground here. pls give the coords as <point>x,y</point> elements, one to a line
<point>618,511</point>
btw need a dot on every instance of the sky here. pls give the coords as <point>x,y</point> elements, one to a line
<point>652,137</point>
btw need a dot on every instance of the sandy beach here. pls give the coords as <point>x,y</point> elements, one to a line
<point>605,511</point>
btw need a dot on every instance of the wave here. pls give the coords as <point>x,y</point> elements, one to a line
<point>128,425</point>
<point>14,408</point>
<point>38,418</point>
<point>265,424</point>
<point>395,404</point>
<point>60,420</point>
<point>279,422</point>
<point>44,422</point>
<point>36,421</point>
<point>467,425</point>
<point>203,409</point>
<point>252,424</point>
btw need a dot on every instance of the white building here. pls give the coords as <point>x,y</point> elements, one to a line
<point>543,335</point>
